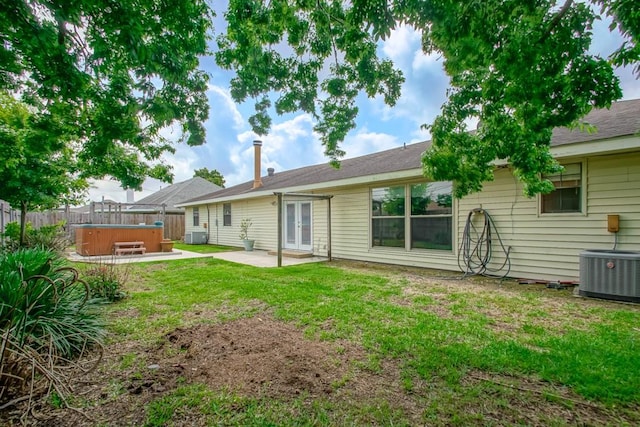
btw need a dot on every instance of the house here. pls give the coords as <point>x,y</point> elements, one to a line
<point>380,208</point>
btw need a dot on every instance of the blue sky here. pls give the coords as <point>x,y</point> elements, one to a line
<point>292,143</point>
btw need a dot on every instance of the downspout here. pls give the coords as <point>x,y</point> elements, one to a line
<point>208,224</point>
<point>217,227</point>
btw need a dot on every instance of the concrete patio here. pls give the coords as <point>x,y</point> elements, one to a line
<point>256,258</point>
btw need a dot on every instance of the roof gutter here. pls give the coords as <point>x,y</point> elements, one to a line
<point>389,176</point>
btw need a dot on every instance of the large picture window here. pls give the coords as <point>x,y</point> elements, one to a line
<point>567,193</point>
<point>424,209</point>
<point>226,214</point>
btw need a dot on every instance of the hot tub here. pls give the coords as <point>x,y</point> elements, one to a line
<point>98,239</point>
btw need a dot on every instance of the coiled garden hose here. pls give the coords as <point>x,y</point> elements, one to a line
<point>475,254</point>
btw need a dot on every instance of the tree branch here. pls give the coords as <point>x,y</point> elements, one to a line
<point>556,19</point>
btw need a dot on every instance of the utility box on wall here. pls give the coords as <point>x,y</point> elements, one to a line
<point>610,274</point>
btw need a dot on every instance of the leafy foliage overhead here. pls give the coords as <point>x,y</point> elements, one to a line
<point>115,73</point>
<point>210,175</point>
<point>519,68</point>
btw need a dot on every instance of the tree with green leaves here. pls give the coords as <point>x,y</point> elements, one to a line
<point>37,166</point>
<point>210,175</point>
<point>117,74</point>
<point>518,68</point>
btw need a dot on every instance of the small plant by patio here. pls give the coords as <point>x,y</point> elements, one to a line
<point>245,225</point>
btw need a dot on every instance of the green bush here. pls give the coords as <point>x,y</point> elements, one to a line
<point>52,237</point>
<point>11,235</point>
<point>47,319</point>
<point>106,281</point>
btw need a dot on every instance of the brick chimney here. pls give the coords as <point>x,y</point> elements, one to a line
<point>257,148</point>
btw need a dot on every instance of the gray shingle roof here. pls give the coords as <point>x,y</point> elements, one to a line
<point>622,119</point>
<point>177,193</point>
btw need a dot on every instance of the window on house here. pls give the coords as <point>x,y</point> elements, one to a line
<point>387,216</point>
<point>567,193</point>
<point>429,218</point>
<point>226,214</point>
<point>431,215</point>
<point>196,216</point>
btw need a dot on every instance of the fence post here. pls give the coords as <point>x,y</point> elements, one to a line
<point>67,220</point>
<point>2,222</point>
<point>164,220</point>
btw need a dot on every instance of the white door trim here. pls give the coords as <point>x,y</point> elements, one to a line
<point>298,225</point>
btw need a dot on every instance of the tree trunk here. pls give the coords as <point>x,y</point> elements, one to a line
<point>23,221</point>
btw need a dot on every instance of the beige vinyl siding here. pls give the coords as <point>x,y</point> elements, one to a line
<point>349,223</point>
<point>319,212</point>
<point>188,219</point>
<point>547,246</point>
<point>207,221</point>
<point>614,188</point>
<point>263,213</point>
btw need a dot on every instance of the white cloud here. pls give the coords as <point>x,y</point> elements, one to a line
<point>423,62</point>
<point>184,161</point>
<point>401,44</point>
<point>365,142</point>
<point>109,189</point>
<point>629,83</point>
<point>226,105</point>
<point>290,144</point>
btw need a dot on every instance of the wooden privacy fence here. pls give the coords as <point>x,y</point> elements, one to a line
<point>7,215</point>
<point>111,213</point>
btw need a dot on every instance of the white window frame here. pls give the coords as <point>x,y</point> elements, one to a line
<point>195,218</point>
<point>407,217</point>
<point>224,215</point>
<point>583,192</point>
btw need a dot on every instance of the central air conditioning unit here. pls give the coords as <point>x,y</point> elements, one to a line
<point>610,274</point>
<point>196,238</point>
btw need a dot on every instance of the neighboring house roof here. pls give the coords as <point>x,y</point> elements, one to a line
<point>87,208</point>
<point>177,193</point>
<point>622,119</point>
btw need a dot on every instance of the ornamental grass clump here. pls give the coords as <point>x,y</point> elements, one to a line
<point>48,324</point>
<point>105,281</point>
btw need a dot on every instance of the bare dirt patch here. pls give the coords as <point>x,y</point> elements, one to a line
<point>255,356</point>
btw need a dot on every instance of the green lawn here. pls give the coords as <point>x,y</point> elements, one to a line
<point>465,349</point>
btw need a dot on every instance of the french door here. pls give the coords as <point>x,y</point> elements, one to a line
<point>297,225</point>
